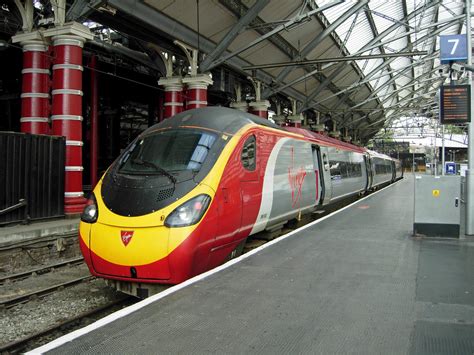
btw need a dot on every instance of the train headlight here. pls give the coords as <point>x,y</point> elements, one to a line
<point>91,212</point>
<point>188,213</point>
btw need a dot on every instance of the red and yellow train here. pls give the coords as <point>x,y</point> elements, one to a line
<point>188,192</point>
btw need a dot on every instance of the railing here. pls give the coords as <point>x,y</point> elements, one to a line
<point>31,177</point>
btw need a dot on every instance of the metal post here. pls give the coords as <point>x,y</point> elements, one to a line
<point>470,170</point>
<point>436,160</point>
<point>94,123</point>
<point>443,163</point>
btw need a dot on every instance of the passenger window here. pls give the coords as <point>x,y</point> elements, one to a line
<point>325,162</point>
<point>249,154</point>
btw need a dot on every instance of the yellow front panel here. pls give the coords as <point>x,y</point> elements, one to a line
<point>151,240</point>
<point>147,245</point>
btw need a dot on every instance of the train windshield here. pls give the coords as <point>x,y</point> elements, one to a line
<point>168,151</point>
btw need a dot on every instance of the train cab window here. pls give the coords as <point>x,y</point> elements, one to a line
<point>249,154</point>
<point>174,150</point>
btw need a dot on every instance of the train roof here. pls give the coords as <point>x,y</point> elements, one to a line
<point>221,119</point>
<point>224,119</point>
<point>375,154</point>
<point>325,140</point>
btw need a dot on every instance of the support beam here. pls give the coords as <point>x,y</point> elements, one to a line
<point>26,13</point>
<point>286,26</point>
<point>163,23</point>
<point>251,14</point>
<point>319,38</point>
<point>336,60</point>
<point>81,9</point>
<point>373,42</point>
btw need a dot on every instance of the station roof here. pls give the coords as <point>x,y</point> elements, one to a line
<point>362,63</point>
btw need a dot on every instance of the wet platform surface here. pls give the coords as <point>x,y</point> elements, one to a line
<point>356,282</point>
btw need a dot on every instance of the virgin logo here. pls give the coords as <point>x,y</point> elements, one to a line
<point>295,178</point>
<point>126,237</point>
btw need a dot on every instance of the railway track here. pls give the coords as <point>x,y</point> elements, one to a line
<point>42,292</point>
<point>60,328</point>
<point>39,271</point>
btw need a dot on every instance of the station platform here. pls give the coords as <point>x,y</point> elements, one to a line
<point>21,233</point>
<point>355,281</point>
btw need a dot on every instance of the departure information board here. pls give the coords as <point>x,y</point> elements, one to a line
<point>455,104</point>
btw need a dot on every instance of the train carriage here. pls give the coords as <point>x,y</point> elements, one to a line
<point>188,192</point>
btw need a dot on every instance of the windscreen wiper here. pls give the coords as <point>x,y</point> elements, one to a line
<point>154,166</point>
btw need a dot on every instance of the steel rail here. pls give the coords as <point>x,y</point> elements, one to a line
<point>40,270</point>
<point>19,345</point>
<point>43,292</point>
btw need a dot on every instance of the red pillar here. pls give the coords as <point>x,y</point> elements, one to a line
<point>294,121</point>
<point>197,90</point>
<point>173,103</point>
<point>260,108</point>
<point>94,122</point>
<point>35,106</point>
<point>67,114</point>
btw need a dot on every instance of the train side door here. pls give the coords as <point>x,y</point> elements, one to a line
<point>368,168</point>
<point>325,175</point>
<point>250,187</point>
<point>319,174</point>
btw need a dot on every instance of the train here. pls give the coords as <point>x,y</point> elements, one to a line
<point>186,194</point>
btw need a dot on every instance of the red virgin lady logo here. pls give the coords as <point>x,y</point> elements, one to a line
<point>126,237</point>
<point>295,178</point>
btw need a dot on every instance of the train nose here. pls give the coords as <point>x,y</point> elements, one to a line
<point>138,253</point>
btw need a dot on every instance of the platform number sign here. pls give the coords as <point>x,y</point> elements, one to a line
<point>453,48</point>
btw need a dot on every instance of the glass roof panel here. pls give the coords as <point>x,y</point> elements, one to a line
<point>427,20</point>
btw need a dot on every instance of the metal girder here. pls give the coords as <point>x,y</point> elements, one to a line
<point>165,24</point>
<point>375,33</point>
<point>26,13</point>
<point>383,65</point>
<point>400,72</point>
<point>251,14</point>
<point>398,103</point>
<point>286,26</point>
<point>373,93</point>
<point>237,7</point>
<point>407,29</point>
<point>450,21</point>
<point>318,39</point>
<point>347,58</point>
<point>296,81</point>
<point>393,78</point>
<point>413,81</point>
<point>139,57</point>
<point>374,41</point>
<point>80,9</point>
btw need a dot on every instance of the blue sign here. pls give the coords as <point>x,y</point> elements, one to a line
<point>453,48</point>
<point>451,168</point>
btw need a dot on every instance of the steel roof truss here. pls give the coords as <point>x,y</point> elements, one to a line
<point>251,14</point>
<point>318,39</point>
<point>285,26</point>
<point>364,49</point>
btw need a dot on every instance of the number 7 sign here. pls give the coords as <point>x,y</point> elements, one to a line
<point>453,48</point>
